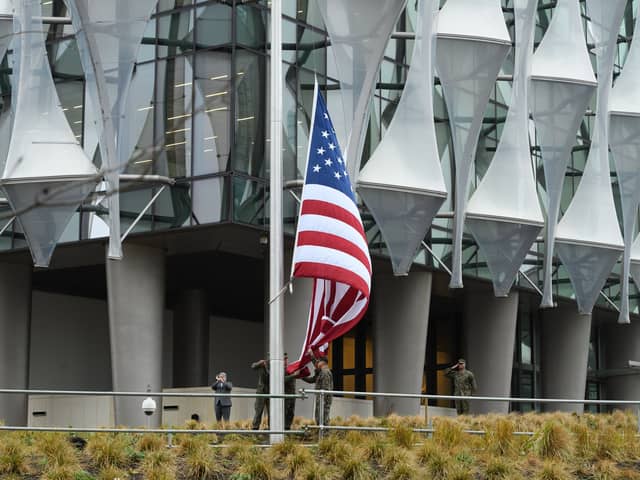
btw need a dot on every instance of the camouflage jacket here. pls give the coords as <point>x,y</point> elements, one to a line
<point>464,383</point>
<point>289,383</point>
<point>263,377</point>
<point>323,379</point>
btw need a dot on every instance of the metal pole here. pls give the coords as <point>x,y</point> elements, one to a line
<point>276,308</point>
<point>320,398</point>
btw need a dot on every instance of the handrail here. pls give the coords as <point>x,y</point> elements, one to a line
<point>93,393</point>
<point>170,431</point>
<point>468,397</point>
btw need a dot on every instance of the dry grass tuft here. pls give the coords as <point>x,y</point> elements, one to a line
<point>257,467</point>
<point>552,440</point>
<point>57,452</point>
<point>60,472</point>
<point>447,432</point>
<point>109,450</point>
<point>14,455</point>
<point>498,467</point>
<point>499,438</point>
<point>159,465</point>
<point>552,470</point>
<point>354,465</point>
<point>150,442</point>
<point>201,463</point>
<point>112,473</point>
<point>402,435</point>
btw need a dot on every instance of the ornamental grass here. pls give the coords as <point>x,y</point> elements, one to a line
<point>554,446</point>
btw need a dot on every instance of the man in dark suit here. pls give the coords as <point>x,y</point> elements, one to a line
<point>222,404</point>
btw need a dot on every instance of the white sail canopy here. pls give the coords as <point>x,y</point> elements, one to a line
<point>562,83</point>
<point>402,183</point>
<point>359,31</point>
<point>503,214</point>
<point>624,140</point>
<point>109,35</point>
<point>46,175</point>
<point>473,41</point>
<point>588,237</point>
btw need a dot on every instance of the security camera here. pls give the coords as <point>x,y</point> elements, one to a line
<point>149,406</point>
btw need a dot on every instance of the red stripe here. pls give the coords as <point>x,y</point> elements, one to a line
<point>346,302</point>
<point>327,209</point>
<point>331,272</point>
<point>328,240</point>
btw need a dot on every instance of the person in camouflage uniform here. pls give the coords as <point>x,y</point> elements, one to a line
<point>323,379</point>
<point>262,403</point>
<point>464,383</point>
<point>289,388</point>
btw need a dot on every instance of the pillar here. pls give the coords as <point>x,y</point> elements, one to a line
<point>400,319</point>
<point>136,298</point>
<point>15,326</point>
<point>191,339</point>
<point>564,354</point>
<point>489,331</point>
<point>620,344</point>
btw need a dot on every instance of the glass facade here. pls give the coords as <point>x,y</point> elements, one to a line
<point>199,112</point>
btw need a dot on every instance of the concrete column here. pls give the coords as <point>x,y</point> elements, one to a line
<point>136,296</point>
<point>564,353</point>
<point>400,318</point>
<point>621,343</point>
<point>15,329</point>
<point>489,333</point>
<point>191,339</point>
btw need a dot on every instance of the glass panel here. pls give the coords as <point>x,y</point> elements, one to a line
<point>174,33</point>
<point>208,200</point>
<point>250,120</point>
<point>213,25</point>
<point>251,27</point>
<point>212,112</point>
<point>248,201</point>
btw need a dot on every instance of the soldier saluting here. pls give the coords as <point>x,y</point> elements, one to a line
<point>464,384</point>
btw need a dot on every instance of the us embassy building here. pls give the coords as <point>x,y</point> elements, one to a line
<point>494,144</point>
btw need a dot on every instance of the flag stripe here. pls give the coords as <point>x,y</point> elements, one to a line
<point>340,274</point>
<point>334,258</point>
<point>328,240</point>
<point>327,209</point>
<point>320,223</point>
<point>323,193</point>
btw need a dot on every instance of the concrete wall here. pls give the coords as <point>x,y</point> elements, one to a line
<point>69,343</point>
<point>234,345</point>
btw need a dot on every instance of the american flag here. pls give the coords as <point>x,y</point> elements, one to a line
<point>331,246</point>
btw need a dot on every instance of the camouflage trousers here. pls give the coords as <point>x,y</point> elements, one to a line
<point>261,405</point>
<point>325,411</point>
<point>289,411</point>
<point>462,407</point>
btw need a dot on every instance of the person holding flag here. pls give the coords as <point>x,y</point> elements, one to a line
<point>331,246</point>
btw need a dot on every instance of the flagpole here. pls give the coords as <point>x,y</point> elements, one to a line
<point>276,240</point>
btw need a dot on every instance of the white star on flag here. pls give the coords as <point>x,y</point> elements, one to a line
<point>325,134</point>
<point>332,146</point>
<point>328,162</point>
<point>316,168</point>
<point>321,151</point>
<point>337,175</point>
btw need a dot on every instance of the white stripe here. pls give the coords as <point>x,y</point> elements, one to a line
<point>332,257</point>
<point>312,191</point>
<point>341,290</point>
<point>320,223</point>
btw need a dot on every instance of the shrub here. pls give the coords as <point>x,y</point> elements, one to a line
<point>375,446</point>
<point>394,456</point>
<point>354,465</point>
<point>150,442</point>
<point>159,465</point>
<point>552,441</point>
<point>447,432</point>
<point>14,458</point>
<point>498,468</point>
<point>499,438</point>
<point>112,473</point>
<point>402,435</point>
<point>202,464</point>
<point>258,468</point>
<point>109,450</point>
<point>57,451</point>
<point>553,471</point>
